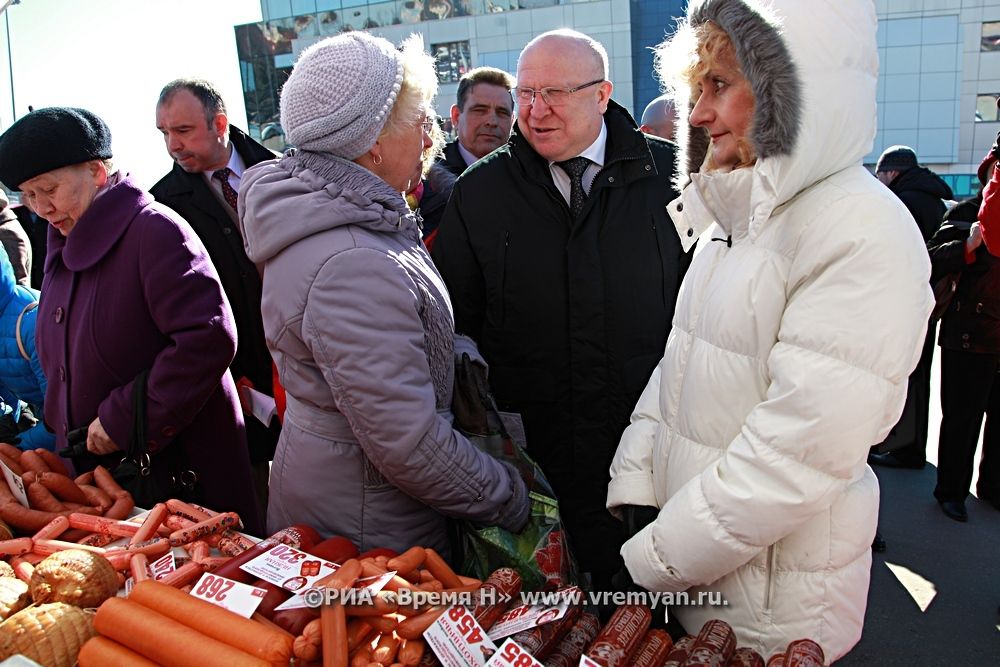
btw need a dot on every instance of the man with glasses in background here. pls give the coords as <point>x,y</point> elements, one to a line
<point>564,266</point>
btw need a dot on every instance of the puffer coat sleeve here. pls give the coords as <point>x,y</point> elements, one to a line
<point>374,356</point>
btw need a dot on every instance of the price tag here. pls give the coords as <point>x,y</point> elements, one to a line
<point>289,568</point>
<point>237,597</point>
<point>587,662</point>
<point>372,585</point>
<point>458,640</point>
<point>512,654</point>
<point>15,484</point>
<point>163,566</point>
<point>529,616</point>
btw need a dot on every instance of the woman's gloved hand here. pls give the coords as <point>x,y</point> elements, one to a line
<point>637,517</point>
<point>515,513</point>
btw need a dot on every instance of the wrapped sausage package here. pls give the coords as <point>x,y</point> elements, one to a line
<point>540,552</point>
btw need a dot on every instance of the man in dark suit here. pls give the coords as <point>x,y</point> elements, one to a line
<point>482,116</point>
<point>210,156</point>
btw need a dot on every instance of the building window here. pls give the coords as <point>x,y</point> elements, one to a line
<point>986,108</point>
<point>991,36</point>
<point>453,60</point>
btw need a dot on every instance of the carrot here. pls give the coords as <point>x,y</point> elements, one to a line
<point>63,487</point>
<point>440,569</point>
<point>55,462</point>
<point>333,623</point>
<point>408,561</point>
<point>411,651</point>
<point>139,567</point>
<point>102,652</point>
<point>165,640</point>
<point>16,547</point>
<point>386,649</point>
<point>270,644</point>
<point>53,529</point>
<point>32,461</point>
<point>413,628</point>
<point>153,520</point>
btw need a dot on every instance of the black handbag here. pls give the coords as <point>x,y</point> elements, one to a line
<point>150,479</point>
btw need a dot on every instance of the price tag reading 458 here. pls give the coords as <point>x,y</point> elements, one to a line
<point>512,654</point>
<point>235,596</point>
<point>458,640</point>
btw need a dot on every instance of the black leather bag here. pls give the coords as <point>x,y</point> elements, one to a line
<point>149,478</point>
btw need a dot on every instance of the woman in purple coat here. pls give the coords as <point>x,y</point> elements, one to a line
<point>128,288</point>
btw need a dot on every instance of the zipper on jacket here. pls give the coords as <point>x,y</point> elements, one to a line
<point>769,579</point>
<point>503,279</point>
<point>663,277</point>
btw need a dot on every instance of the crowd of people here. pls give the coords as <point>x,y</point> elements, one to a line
<point>700,324</point>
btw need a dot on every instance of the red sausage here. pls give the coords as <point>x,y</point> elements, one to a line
<point>618,641</point>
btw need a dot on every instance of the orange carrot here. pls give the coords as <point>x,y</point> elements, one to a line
<point>269,644</point>
<point>164,640</point>
<point>102,652</point>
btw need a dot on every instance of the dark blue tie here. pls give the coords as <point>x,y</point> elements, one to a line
<point>575,167</point>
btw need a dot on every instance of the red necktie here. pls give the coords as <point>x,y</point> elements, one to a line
<point>222,175</point>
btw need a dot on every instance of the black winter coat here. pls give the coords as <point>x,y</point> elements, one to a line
<point>571,315</point>
<point>451,158</point>
<point>972,321</point>
<point>921,190</point>
<point>191,196</point>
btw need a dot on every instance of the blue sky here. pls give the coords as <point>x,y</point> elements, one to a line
<point>113,56</point>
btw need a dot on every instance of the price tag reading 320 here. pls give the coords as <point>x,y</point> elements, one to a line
<point>235,596</point>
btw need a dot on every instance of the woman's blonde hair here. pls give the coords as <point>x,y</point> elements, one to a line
<point>416,94</point>
<point>685,59</point>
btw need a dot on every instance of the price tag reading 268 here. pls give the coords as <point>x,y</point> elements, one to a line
<point>213,589</point>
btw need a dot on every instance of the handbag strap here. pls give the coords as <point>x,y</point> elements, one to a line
<point>17,330</point>
<point>137,436</point>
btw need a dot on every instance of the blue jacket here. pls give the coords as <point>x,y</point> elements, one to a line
<point>20,378</point>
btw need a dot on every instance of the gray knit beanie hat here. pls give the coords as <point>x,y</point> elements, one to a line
<point>896,158</point>
<point>340,93</point>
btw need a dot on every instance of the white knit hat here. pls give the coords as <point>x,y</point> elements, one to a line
<point>340,93</point>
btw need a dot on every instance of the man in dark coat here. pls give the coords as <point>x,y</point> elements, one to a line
<point>922,192</point>
<point>568,283</point>
<point>482,115</point>
<point>191,115</point>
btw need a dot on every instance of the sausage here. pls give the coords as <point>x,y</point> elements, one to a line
<point>49,547</point>
<point>139,567</point>
<point>187,511</point>
<point>334,549</point>
<point>152,548</point>
<point>152,521</point>
<point>411,651</point>
<point>53,529</point>
<point>653,649</point>
<point>16,547</point>
<point>95,497</point>
<point>440,569</point>
<point>202,528</point>
<point>540,640</point>
<point>408,561</point>
<point>185,574</point>
<point>386,649</point>
<point>23,518</point>
<point>413,628</point>
<point>804,653</point>
<point>679,653</point>
<point>53,461</point>
<point>714,645</point>
<point>298,536</point>
<point>63,487</point>
<point>294,621</point>
<point>121,507</point>
<point>776,660</point>
<point>11,451</point>
<point>40,498</point>
<point>746,657</point>
<point>12,463</point>
<point>274,596</point>
<point>103,525</point>
<point>503,581</point>
<point>85,478</point>
<point>618,641</point>
<point>32,461</point>
<point>567,653</point>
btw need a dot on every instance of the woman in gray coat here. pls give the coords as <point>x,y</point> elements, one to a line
<point>356,316</point>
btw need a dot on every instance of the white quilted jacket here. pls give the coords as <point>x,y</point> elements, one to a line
<point>789,352</point>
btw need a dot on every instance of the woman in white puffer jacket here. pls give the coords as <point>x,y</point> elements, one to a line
<point>797,324</point>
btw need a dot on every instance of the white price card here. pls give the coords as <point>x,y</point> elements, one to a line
<point>15,484</point>
<point>162,566</point>
<point>370,586</point>
<point>235,596</point>
<point>458,640</point>
<point>512,654</point>
<point>289,568</point>
<point>585,661</point>
<point>529,616</point>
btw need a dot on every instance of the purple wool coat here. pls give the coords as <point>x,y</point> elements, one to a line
<point>133,288</point>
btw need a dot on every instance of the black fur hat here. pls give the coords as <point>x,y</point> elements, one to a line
<point>50,138</point>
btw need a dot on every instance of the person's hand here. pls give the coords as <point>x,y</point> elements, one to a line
<point>98,441</point>
<point>975,237</point>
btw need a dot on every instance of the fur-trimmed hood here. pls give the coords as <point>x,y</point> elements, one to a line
<point>813,68</point>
